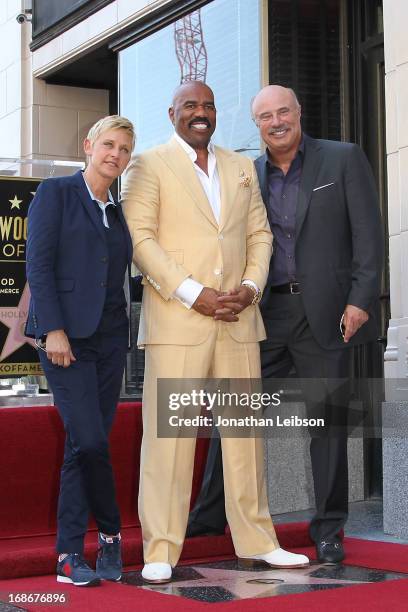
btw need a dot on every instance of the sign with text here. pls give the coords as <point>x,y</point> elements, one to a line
<point>18,356</point>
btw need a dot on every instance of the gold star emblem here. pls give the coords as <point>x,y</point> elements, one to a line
<point>15,203</point>
<point>14,318</point>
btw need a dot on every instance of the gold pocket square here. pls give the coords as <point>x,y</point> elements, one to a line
<point>244,179</point>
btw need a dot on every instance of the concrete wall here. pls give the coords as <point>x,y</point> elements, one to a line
<point>396,88</point>
<point>13,57</point>
<point>395,410</point>
<point>289,471</point>
<point>61,118</point>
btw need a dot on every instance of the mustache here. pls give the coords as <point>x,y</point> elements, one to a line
<point>277,129</point>
<point>200,120</point>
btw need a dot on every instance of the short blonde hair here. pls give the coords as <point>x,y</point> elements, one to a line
<point>111,122</point>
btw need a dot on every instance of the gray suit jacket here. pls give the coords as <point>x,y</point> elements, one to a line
<point>339,244</point>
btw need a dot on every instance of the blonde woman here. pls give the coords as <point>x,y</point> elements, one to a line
<point>78,253</point>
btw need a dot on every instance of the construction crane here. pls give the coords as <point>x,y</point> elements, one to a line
<point>190,47</point>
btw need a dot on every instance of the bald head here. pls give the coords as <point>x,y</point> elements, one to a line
<point>193,113</point>
<point>276,111</point>
<point>270,93</point>
<point>190,86</point>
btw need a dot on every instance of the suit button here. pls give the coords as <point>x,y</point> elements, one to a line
<point>220,237</point>
<point>103,284</point>
<point>104,259</point>
<point>217,271</point>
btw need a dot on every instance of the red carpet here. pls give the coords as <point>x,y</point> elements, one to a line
<point>384,597</point>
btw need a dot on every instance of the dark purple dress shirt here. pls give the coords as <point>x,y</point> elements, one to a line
<point>283,191</point>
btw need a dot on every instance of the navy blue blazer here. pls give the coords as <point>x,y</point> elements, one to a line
<point>67,259</point>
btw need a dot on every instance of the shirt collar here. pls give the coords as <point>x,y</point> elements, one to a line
<point>110,197</point>
<point>189,150</point>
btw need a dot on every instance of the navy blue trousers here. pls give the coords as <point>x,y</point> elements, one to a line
<point>86,394</point>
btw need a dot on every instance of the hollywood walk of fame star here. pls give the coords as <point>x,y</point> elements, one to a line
<point>15,203</point>
<point>14,319</point>
<point>236,581</point>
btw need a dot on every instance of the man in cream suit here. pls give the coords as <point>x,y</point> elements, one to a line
<point>199,230</point>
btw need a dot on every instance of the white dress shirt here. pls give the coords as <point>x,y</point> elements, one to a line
<point>189,290</point>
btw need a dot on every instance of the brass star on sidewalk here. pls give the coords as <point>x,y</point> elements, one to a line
<point>241,584</point>
<point>15,203</point>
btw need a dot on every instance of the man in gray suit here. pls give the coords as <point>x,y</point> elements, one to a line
<point>323,285</point>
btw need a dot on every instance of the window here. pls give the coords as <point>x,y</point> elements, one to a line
<point>219,43</point>
<point>304,53</point>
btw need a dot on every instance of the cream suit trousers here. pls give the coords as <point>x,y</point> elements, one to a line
<point>166,466</point>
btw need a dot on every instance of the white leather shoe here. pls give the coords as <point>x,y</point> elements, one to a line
<point>156,573</point>
<point>278,558</point>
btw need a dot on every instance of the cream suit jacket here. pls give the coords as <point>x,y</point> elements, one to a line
<point>175,236</point>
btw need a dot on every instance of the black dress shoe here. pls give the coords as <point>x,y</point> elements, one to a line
<point>329,551</point>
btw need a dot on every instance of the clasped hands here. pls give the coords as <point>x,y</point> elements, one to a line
<point>223,305</point>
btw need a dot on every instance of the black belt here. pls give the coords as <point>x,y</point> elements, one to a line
<point>292,288</point>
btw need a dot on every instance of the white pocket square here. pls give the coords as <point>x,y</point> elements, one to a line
<point>323,186</point>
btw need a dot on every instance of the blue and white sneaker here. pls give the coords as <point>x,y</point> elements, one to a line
<point>109,561</point>
<point>73,569</point>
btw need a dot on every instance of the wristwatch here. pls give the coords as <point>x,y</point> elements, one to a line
<point>257,293</point>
